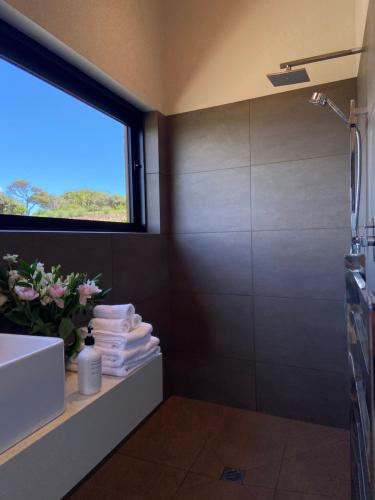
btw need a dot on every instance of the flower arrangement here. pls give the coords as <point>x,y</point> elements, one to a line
<point>44,303</point>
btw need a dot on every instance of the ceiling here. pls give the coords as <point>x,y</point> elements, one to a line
<point>219,51</point>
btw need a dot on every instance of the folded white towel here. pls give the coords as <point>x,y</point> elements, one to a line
<point>126,368</point>
<point>118,311</point>
<point>102,341</point>
<point>116,358</point>
<point>136,320</point>
<point>112,340</point>
<point>111,325</point>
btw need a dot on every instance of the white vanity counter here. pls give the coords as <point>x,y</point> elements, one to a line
<point>51,461</point>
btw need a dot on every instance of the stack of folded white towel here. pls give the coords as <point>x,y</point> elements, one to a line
<point>124,340</point>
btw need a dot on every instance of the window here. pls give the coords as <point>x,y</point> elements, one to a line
<point>71,150</point>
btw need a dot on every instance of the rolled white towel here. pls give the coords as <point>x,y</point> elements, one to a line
<point>136,320</point>
<point>111,325</point>
<point>118,311</point>
<point>103,341</point>
<point>113,340</point>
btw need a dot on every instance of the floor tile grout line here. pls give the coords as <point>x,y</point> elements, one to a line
<point>189,471</point>
<point>328,497</point>
<point>282,459</point>
<point>154,462</point>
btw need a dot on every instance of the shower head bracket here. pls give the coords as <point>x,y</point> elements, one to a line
<point>321,57</point>
<point>291,76</point>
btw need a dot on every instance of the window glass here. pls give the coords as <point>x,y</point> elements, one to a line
<point>59,157</point>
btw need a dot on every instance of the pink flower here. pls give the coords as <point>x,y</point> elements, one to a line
<point>25,293</point>
<point>86,291</point>
<point>57,291</point>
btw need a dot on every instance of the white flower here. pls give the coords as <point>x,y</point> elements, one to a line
<point>46,300</point>
<point>40,267</point>
<point>10,259</point>
<point>3,299</point>
<point>46,279</point>
<point>86,291</point>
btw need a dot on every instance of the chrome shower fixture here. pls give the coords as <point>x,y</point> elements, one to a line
<point>292,76</point>
<point>320,99</point>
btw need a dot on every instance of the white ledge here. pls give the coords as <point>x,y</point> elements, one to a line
<point>51,461</point>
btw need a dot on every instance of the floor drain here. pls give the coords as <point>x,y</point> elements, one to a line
<point>233,475</point>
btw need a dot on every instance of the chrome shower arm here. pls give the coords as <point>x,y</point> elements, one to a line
<point>338,111</point>
<point>321,57</point>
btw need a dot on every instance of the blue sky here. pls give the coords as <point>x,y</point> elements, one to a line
<point>54,140</point>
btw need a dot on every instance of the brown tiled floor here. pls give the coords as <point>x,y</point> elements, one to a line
<point>179,454</point>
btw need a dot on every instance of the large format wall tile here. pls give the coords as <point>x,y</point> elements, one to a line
<point>301,264</point>
<point>301,194</point>
<point>211,263</point>
<point>210,139</point>
<point>156,310</point>
<point>312,395</point>
<point>212,325</point>
<point>211,201</point>
<point>157,203</point>
<point>225,380</point>
<point>305,333</point>
<point>76,252</point>
<point>155,142</point>
<point>286,127</point>
<point>140,266</point>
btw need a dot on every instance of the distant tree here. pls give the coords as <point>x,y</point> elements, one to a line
<point>44,199</point>
<point>29,195</point>
<point>91,200</point>
<point>10,206</point>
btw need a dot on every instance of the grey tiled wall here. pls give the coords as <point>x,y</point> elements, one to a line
<point>259,224</point>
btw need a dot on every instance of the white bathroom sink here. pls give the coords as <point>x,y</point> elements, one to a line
<point>32,380</point>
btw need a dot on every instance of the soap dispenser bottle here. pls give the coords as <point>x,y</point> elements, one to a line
<point>89,367</point>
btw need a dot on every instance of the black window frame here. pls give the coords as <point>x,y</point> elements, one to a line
<point>23,51</point>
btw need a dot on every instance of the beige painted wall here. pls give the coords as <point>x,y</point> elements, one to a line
<point>182,55</point>
<point>121,37</point>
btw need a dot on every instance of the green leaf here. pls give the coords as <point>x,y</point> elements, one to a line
<point>25,284</point>
<point>73,346</point>
<point>65,328</point>
<point>18,318</point>
<point>25,268</point>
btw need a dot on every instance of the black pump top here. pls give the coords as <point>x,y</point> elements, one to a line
<point>89,339</point>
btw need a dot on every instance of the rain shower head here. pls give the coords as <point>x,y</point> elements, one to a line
<point>288,77</point>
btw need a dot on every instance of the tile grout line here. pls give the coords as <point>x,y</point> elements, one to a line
<point>252,319</point>
<point>251,230</point>
<point>253,165</point>
<point>231,294</point>
<point>234,294</point>
<point>189,470</point>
